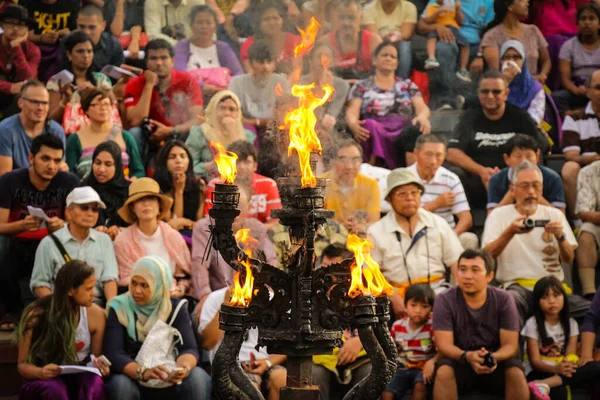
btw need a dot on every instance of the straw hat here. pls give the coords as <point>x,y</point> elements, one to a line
<point>140,188</point>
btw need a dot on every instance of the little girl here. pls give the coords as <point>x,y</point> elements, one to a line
<point>551,343</point>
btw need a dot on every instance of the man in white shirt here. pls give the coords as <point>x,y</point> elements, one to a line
<point>444,193</point>
<point>412,245</point>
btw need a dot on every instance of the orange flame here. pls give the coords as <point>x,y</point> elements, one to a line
<point>242,294</point>
<point>308,38</point>
<point>226,162</point>
<point>365,281</point>
<point>243,236</point>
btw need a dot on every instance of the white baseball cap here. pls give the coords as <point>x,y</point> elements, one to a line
<point>84,195</point>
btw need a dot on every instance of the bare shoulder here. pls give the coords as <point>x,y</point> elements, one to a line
<point>96,314</point>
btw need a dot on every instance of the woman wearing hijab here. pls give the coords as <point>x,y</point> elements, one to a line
<point>131,317</point>
<point>108,180</point>
<point>525,91</point>
<point>223,125</point>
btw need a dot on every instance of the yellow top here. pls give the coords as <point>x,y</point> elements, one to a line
<point>446,19</point>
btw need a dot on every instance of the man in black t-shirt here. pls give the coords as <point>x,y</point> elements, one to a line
<point>479,138</point>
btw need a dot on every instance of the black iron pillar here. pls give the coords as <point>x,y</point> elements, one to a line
<point>382,312</point>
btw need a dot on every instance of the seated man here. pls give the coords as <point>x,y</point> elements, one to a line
<point>42,185</point>
<point>265,195</point>
<point>19,130</point>
<point>168,20</point>
<point>172,100</point>
<point>353,196</point>
<point>528,240</point>
<point>480,137</point>
<point>472,320</point>
<point>412,245</point>
<point>519,148</point>
<point>125,20</point>
<point>444,194</point>
<point>78,241</point>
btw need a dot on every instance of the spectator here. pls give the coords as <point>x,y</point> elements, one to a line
<point>211,272</point>
<point>131,316</point>
<point>352,46</point>
<point>410,227</point>
<point>322,11</point>
<point>19,57</point>
<point>394,21</point>
<point>172,100</point>
<point>53,19</point>
<point>579,57</point>
<point>201,53</point>
<point>67,314</point>
<point>380,175</point>
<point>4,4</point>
<point>264,193</point>
<point>444,194</point>
<point>525,253</point>
<point>264,371</point>
<point>507,25</point>
<point>108,180</point>
<point>588,331</point>
<point>42,185</point>
<point>524,91</point>
<point>125,20</point>
<point>78,241</point>
<point>223,125</point>
<point>353,197</point>
<point>383,106</point>
<point>480,137</point>
<point>18,131</point>
<point>581,140</point>
<point>175,176</point>
<point>460,313</point>
<point>65,99</point>
<point>255,89</point>
<point>270,31</point>
<point>168,20</point>
<point>97,106</point>
<point>524,148</point>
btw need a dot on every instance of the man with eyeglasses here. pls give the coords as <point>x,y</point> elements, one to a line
<point>529,240</point>
<point>79,241</point>
<point>412,245</point>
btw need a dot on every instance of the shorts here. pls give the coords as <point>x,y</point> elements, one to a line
<point>262,381</point>
<point>404,380</point>
<point>460,39</point>
<point>467,380</point>
<point>590,228</point>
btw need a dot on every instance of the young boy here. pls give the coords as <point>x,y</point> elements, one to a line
<point>449,14</point>
<point>414,337</point>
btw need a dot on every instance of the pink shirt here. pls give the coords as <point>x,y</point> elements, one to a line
<point>552,18</point>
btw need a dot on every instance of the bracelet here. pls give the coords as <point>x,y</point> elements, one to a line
<point>269,363</point>
<point>140,374</point>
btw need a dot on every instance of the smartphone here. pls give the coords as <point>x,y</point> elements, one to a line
<point>104,360</point>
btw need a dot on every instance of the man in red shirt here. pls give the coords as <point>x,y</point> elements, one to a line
<point>172,100</point>
<point>265,195</point>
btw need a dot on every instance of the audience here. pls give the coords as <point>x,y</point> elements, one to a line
<point>589,327</point>
<point>167,20</point>
<point>67,314</point>
<point>125,20</point>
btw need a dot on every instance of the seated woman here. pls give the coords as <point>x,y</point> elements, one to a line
<point>201,53</point>
<point>125,20</point>
<point>525,92</point>
<point>270,18</point>
<point>223,125</point>
<point>65,328</point>
<point>382,106</point>
<point>97,106</point>
<point>146,209</point>
<point>131,317</point>
<point>108,180</point>
<point>65,98</point>
<point>175,176</point>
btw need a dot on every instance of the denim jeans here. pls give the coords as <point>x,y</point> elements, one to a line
<point>404,59</point>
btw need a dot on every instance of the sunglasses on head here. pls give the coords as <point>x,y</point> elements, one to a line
<point>495,92</point>
<point>87,207</point>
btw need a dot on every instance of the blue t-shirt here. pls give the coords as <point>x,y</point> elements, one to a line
<point>15,143</point>
<point>477,14</point>
<point>552,191</point>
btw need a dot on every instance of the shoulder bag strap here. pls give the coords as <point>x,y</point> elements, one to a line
<point>166,16</point>
<point>60,247</point>
<point>181,303</point>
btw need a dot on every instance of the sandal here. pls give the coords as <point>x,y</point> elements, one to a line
<point>539,391</point>
<point>8,323</point>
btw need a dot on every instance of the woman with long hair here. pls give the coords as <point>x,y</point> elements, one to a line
<point>65,328</point>
<point>507,25</point>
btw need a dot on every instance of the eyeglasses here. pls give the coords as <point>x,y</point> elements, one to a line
<point>350,160</point>
<point>86,207</point>
<point>527,185</point>
<point>495,92</point>
<point>405,195</point>
<point>14,24</point>
<point>36,102</point>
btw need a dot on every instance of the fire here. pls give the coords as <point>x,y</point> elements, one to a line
<point>243,236</point>
<point>369,280</point>
<point>308,38</point>
<point>242,294</point>
<point>226,162</point>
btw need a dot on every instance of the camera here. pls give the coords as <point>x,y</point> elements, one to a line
<point>535,223</point>
<point>488,360</point>
<point>147,127</point>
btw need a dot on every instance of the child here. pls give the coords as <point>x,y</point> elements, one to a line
<point>414,337</point>
<point>551,344</point>
<point>449,14</point>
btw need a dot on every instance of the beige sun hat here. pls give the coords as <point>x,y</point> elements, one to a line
<point>401,177</point>
<point>140,188</point>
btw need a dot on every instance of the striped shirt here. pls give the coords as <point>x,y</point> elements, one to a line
<point>581,132</point>
<point>583,62</point>
<point>416,347</point>
<point>443,181</point>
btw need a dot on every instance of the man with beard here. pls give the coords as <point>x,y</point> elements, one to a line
<point>528,240</point>
<point>479,139</point>
<point>44,187</point>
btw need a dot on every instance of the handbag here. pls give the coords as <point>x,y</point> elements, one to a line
<point>159,348</point>
<point>219,77</point>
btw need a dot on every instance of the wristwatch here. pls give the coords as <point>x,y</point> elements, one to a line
<point>269,363</point>
<point>561,238</point>
<point>463,357</point>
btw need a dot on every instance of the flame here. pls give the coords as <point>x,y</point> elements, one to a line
<point>242,294</point>
<point>369,280</point>
<point>243,236</point>
<point>226,162</point>
<point>308,38</point>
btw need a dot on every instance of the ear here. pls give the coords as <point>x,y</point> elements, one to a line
<point>506,157</point>
<point>103,25</point>
<point>71,292</point>
<point>512,189</point>
<point>30,157</point>
<point>490,276</point>
<point>538,155</point>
